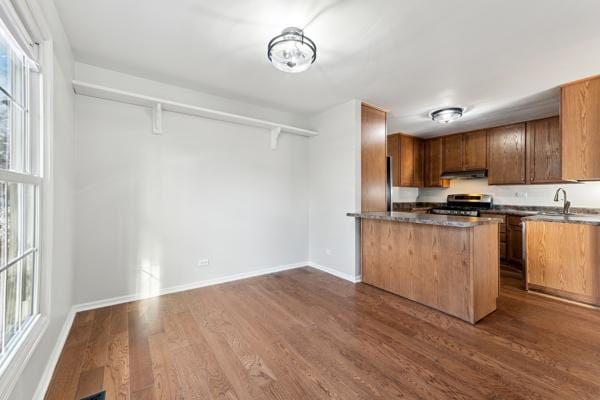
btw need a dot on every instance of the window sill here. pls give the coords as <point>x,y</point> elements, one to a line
<point>15,362</point>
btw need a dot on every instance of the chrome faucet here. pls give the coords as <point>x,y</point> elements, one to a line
<point>566,203</point>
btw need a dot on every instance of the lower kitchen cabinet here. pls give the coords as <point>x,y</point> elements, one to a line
<point>514,233</point>
<point>501,233</point>
<point>510,237</point>
<point>562,260</point>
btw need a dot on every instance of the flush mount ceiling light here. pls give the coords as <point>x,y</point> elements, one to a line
<point>447,115</point>
<point>292,51</point>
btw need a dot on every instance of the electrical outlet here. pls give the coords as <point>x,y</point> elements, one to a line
<point>521,194</point>
<point>328,252</point>
<point>203,262</point>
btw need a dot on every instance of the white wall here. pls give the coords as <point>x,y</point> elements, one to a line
<point>580,194</point>
<point>148,207</point>
<point>113,79</point>
<point>61,282</point>
<point>334,159</point>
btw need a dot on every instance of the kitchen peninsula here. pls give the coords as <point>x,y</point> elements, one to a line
<point>449,263</point>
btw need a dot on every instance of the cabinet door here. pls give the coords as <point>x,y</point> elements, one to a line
<point>419,162</point>
<point>506,155</point>
<point>393,150</point>
<point>433,163</point>
<point>475,150</point>
<point>453,153</point>
<point>373,161</point>
<point>544,151</point>
<point>407,170</point>
<point>580,123</point>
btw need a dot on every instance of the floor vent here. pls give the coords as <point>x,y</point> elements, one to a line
<point>97,396</point>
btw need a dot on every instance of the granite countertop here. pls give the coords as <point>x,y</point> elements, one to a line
<point>427,219</point>
<point>521,211</point>
<point>566,219</point>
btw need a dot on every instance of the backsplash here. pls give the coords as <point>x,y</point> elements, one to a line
<point>580,194</point>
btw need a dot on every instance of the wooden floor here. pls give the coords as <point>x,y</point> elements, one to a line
<point>304,334</point>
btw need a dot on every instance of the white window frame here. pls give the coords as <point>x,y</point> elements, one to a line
<point>23,348</point>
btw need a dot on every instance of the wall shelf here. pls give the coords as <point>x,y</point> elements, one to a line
<point>160,105</point>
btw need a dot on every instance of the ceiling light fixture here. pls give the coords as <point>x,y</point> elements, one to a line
<point>291,51</point>
<point>447,115</point>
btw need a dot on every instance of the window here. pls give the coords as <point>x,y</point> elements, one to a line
<point>20,181</point>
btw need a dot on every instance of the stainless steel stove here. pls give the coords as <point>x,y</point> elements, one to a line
<point>468,205</point>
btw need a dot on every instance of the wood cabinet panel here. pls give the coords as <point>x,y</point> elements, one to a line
<point>580,123</point>
<point>393,151</point>
<point>454,270</point>
<point>407,154</point>
<point>501,232</point>
<point>562,259</point>
<point>434,154</point>
<point>514,241</point>
<point>419,162</point>
<point>475,151</point>
<point>544,151</point>
<point>407,162</point>
<point>506,155</point>
<point>453,153</point>
<point>373,159</point>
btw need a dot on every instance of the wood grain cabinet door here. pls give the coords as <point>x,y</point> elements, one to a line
<point>434,154</point>
<point>580,123</point>
<point>544,151</point>
<point>393,151</point>
<point>419,162</point>
<point>506,155</point>
<point>475,151</point>
<point>407,163</point>
<point>453,153</point>
<point>373,159</point>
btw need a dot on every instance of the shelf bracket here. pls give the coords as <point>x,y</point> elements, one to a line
<point>275,133</point>
<point>157,119</point>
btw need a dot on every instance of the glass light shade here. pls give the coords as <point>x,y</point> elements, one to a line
<point>447,115</point>
<point>292,51</point>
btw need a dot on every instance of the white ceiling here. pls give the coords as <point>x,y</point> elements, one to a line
<point>502,60</point>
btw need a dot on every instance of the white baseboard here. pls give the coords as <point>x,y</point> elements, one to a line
<point>40,392</point>
<point>49,370</point>
<point>180,288</point>
<point>351,278</point>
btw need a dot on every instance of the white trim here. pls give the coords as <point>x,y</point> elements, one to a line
<point>44,382</point>
<point>107,93</point>
<point>334,272</point>
<point>188,286</point>
<point>19,356</point>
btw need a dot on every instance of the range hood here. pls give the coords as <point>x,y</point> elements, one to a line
<point>481,173</point>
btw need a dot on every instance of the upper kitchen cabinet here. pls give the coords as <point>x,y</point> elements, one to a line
<point>373,159</point>
<point>453,153</point>
<point>475,153</point>
<point>580,123</point>
<point>465,152</point>
<point>407,154</point>
<point>506,155</point>
<point>544,151</point>
<point>434,153</point>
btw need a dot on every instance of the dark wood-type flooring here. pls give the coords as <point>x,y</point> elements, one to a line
<point>304,334</point>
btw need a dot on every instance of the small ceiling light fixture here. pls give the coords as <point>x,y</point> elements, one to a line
<point>447,115</point>
<point>291,51</point>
